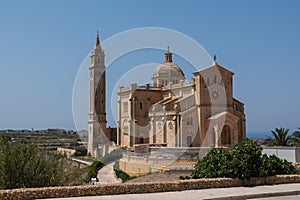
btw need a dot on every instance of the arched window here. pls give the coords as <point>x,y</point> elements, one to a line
<point>191,122</point>
<point>125,107</point>
<point>141,105</point>
<point>188,121</point>
<point>189,141</point>
<point>222,83</point>
<point>226,135</point>
<point>215,78</point>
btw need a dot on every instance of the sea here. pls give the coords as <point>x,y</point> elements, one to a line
<point>258,134</point>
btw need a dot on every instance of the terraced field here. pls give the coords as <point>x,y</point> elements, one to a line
<point>49,139</point>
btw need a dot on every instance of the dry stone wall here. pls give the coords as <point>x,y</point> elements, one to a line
<point>113,189</point>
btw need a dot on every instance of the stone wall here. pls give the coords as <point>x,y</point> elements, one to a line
<point>130,188</point>
<point>154,159</point>
<point>290,153</point>
<point>65,151</point>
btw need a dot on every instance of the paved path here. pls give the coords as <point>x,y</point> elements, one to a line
<point>258,192</point>
<point>106,175</point>
<point>292,197</point>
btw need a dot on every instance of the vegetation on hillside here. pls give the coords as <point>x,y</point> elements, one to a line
<point>244,161</point>
<point>48,139</point>
<point>24,165</point>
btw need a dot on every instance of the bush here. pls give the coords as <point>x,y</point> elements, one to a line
<point>80,152</point>
<point>273,165</point>
<point>24,165</point>
<point>244,161</point>
<point>217,163</point>
<point>93,169</point>
<point>184,177</point>
<point>120,174</point>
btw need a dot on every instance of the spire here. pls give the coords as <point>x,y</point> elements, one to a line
<point>168,55</point>
<point>97,39</point>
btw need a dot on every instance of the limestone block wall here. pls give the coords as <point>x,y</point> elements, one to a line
<point>67,152</point>
<point>135,188</point>
<point>134,169</point>
<point>291,154</point>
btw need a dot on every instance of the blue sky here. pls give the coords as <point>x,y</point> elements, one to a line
<point>43,43</point>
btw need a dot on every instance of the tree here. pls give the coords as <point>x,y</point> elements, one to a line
<point>24,165</point>
<point>244,161</point>
<point>296,137</point>
<point>280,137</point>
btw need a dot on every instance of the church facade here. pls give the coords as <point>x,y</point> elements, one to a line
<point>171,111</point>
<point>177,113</point>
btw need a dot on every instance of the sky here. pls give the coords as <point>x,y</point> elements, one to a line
<point>43,44</point>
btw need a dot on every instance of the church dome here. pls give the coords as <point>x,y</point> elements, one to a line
<point>167,69</point>
<point>167,72</point>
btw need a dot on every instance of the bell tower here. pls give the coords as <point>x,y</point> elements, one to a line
<point>97,116</point>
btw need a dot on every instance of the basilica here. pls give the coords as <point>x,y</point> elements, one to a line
<point>170,111</point>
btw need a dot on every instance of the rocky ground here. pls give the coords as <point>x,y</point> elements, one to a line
<point>160,177</point>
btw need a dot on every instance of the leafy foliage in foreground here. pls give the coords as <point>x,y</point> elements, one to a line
<point>25,165</point>
<point>244,161</point>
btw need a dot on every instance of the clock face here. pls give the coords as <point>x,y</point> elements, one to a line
<point>215,95</point>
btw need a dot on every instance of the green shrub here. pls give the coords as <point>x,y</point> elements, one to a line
<point>217,163</point>
<point>120,174</point>
<point>184,177</point>
<point>272,165</point>
<point>93,169</point>
<point>24,165</point>
<point>244,161</point>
